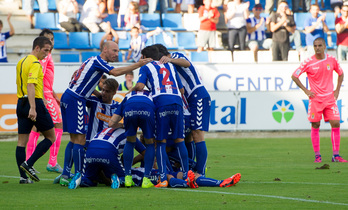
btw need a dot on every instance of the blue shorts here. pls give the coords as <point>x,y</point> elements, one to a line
<point>169,118</point>
<point>200,114</point>
<point>143,117</point>
<point>74,114</point>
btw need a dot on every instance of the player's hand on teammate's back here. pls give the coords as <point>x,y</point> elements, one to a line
<point>165,59</point>
<point>144,61</point>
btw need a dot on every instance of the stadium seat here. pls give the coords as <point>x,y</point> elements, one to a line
<point>191,21</point>
<point>60,40</point>
<point>293,56</point>
<point>186,40</point>
<point>199,56</point>
<point>87,54</point>
<point>95,39</point>
<point>245,56</point>
<point>165,38</point>
<point>120,56</point>
<point>330,20</point>
<point>150,21</point>
<point>112,18</point>
<point>149,41</point>
<point>220,56</point>
<point>124,44</point>
<point>69,56</point>
<point>79,40</point>
<point>264,56</point>
<point>172,21</point>
<point>332,41</point>
<point>45,20</point>
<point>300,18</point>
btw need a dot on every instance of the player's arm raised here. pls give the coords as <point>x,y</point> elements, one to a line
<point>125,69</point>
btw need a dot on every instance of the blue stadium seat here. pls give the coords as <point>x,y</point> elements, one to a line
<point>165,38</point>
<point>120,56</point>
<point>149,41</point>
<point>199,56</point>
<point>60,40</point>
<point>112,18</point>
<point>333,44</point>
<point>45,20</point>
<point>69,56</point>
<point>300,18</point>
<point>330,20</point>
<point>150,21</point>
<point>87,54</point>
<point>95,39</point>
<point>186,40</point>
<point>79,40</point>
<point>172,21</point>
<point>124,44</point>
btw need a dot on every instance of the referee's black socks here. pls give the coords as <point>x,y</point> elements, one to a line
<point>39,151</point>
<point>20,158</point>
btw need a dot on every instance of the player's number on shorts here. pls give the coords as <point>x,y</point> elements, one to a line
<point>165,80</point>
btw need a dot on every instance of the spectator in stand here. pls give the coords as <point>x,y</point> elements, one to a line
<point>281,25</point>
<point>132,16</point>
<point>341,25</point>
<point>107,4</point>
<point>336,6</point>
<point>91,17</point>
<point>128,83</point>
<point>305,6</point>
<point>190,5</point>
<point>110,35</point>
<point>270,5</point>
<point>153,5</point>
<point>295,37</point>
<point>3,37</point>
<point>28,7</point>
<point>236,15</point>
<point>223,3</point>
<point>68,10</point>
<point>209,17</point>
<point>256,28</point>
<point>315,26</point>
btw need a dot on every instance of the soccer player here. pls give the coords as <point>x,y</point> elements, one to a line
<point>322,96</point>
<point>198,100</point>
<point>52,105</point>
<point>31,109</point>
<point>73,101</point>
<point>165,85</point>
<point>138,110</point>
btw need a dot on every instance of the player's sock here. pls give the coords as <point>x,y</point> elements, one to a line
<point>201,157</point>
<point>191,150</point>
<point>161,160</point>
<point>149,159</point>
<point>31,145</point>
<point>128,155</point>
<point>315,140</point>
<point>183,158</point>
<point>68,159</point>
<point>208,182</point>
<point>78,157</point>
<point>55,147</point>
<point>335,139</point>
<point>177,183</point>
<point>40,150</point>
<point>20,158</point>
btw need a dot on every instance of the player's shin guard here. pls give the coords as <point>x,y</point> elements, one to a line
<point>201,157</point>
<point>78,156</point>
<point>31,145</point>
<point>208,182</point>
<point>149,159</point>
<point>161,160</point>
<point>68,159</point>
<point>40,150</point>
<point>315,140</point>
<point>20,158</point>
<point>128,155</point>
<point>335,139</point>
<point>55,147</point>
<point>191,150</point>
<point>183,155</point>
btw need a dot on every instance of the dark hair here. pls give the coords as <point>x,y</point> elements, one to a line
<point>111,83</point>
<point>258,6</point>
<point>321,39</point>
<point>46,31</point>
<point>286,2</point>
<point>104,76</point>
<point>1,22</point>
<point>162,49</point>
<point>134,27</point>
<point>151,52</point>
<point>130,73</point>
<point>41,41</point>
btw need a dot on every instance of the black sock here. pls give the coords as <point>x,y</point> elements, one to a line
<point>20,158</point>
<point>40,150</point>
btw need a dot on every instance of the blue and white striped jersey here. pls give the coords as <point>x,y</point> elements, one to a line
<point>99,115</point>
<point>3,37</point>
<point>88,76</point>
<point>143,98</point>
<point>163,82</point>
<point>260,33</point>
<point>190,78</point>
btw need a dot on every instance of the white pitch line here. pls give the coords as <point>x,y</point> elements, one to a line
<point>309,183</point>
<point>258,195</point>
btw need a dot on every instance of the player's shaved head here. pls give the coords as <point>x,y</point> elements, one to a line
<point>107,45</point>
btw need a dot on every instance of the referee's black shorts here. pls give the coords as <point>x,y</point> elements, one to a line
<point>43,119</point>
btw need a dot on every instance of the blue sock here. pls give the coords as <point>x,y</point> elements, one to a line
<point>128,155</point>
<point>207,182</point>
<point>177,183</point>
<point>39,151</point>
<point>68,159</point>
<point>201,157</point>
<point>183,158</point>
<point>149,159</point>
<point>161,160</point>
<point>191,150</point>
<point>78,156</point>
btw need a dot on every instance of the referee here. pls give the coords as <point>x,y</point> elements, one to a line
<point>31,109</point>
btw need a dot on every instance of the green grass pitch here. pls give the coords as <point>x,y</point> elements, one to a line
<point>277,173</point>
